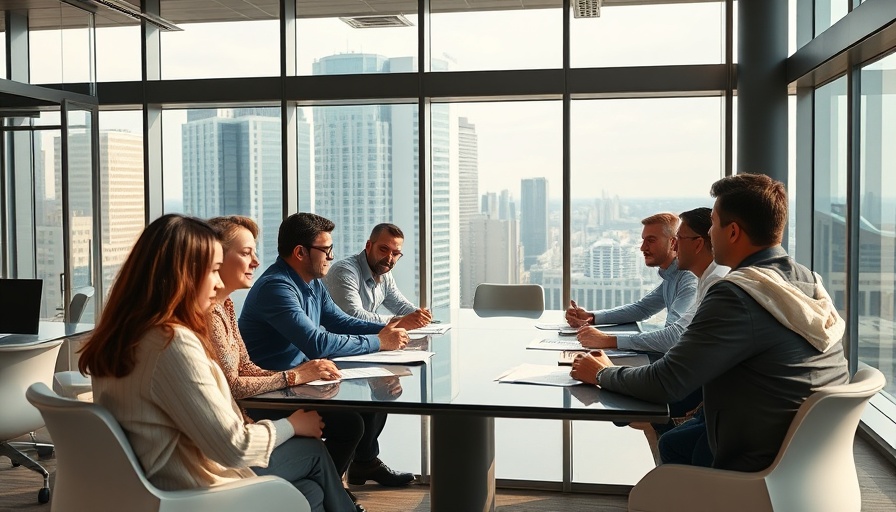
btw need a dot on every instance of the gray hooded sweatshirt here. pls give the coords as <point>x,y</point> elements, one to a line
<point>761,342</point>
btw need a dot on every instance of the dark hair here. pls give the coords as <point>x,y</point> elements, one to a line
<point>699,220</point>
<point>301,229</point>
<point>228,227</point>
<point>157,286</point>
<point>756,202</point>
<point>392,229</point>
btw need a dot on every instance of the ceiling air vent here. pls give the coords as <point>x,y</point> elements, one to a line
<point>586,8</point>
<point>377,21</point>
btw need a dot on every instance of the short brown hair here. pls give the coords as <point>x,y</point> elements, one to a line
<point>392,229</point>
<point>668,220</point>
<point>756,202</point>
<point>228,227</point>
<point>157,286</point>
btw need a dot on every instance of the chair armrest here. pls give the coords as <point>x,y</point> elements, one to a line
<point>680,488</point>
<point>258,493</point>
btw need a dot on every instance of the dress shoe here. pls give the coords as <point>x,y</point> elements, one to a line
<point>360,472</point>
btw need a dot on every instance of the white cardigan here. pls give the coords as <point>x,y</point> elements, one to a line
<point>180,418</point>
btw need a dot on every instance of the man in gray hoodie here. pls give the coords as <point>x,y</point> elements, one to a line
<point>764,338</point>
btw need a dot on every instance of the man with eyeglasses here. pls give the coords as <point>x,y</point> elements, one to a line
<point>361,283</point>
<point>675,294</point>
<point>288,318</point>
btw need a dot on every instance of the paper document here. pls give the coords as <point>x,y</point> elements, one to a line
<point>619,357</point>
<point>389,357</point>
<point>555,344</point>
<point>544,375</point>
<point>359,373</point>
<point>431,329</point>
<point>552,327</point>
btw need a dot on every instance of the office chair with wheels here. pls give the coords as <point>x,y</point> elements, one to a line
<point>21,366</point>
<point>526,300</point>
<point>114,479</point>
<point>814,471</point>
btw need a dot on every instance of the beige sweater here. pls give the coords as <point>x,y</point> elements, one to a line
<point>180,418</point>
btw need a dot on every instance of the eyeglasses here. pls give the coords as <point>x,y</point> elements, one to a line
<point>328,251</point>
<point>679,237</point>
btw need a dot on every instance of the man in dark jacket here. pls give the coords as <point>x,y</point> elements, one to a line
<point>764,338</point>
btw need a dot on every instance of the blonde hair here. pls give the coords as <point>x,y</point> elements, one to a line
<point>228,227</point>
<point>668,220</point>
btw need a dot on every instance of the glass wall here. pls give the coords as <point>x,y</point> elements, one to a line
<point>121,188</point>
<point>830,217</point>
<point>828,12</point>
<point>496,170</point>
<point>325,31</point>
<point>118,53</point>
<point>226,161</point>
<point>877,225</point>
<point>650,35</point>
<point>61,47</point>
<point>358,166</point>
<point>220,49</point>
<point>473,40</point>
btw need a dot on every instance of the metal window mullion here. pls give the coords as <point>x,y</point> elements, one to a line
<point>424,180</point>
<point>853,203</point>
<point>288,111</point>
<point>66,208</point>
<point>728,127</point>
<point>566,425</point>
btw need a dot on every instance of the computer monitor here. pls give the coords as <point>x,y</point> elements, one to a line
<point>20,305</point>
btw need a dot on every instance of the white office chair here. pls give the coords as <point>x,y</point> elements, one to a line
<point>525,300</point>
<point>21,366</point>
<point>813,472</point>
<point>96,469</point>
<point>72,383</point>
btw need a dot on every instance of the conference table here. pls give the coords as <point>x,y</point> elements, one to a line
<point>456,387</point>
<point>47,331</point>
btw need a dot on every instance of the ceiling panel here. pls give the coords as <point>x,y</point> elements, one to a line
<point>45,14</point>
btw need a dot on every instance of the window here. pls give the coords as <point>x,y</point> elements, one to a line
<point>631,158</point>
<point>209,169</point>
<point>328,45</point>
<point>829,230</point>
<point>511,38</point>
<point>877,225</point>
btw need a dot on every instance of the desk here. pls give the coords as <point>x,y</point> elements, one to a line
<point>457,389</point>
<point>48,331</point>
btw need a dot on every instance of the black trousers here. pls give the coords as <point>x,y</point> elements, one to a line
<point>348,435</point>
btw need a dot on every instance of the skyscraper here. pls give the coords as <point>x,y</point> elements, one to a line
<point>468,175</point>
<point>122,214</point>
<point>491,255</point>
<point>533,219</point>
<point>231,166</point>
<point>366,171</point>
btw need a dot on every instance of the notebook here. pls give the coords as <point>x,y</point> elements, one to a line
<point>20,305</point>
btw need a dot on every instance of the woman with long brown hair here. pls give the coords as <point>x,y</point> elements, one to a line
<point>150,359</point>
